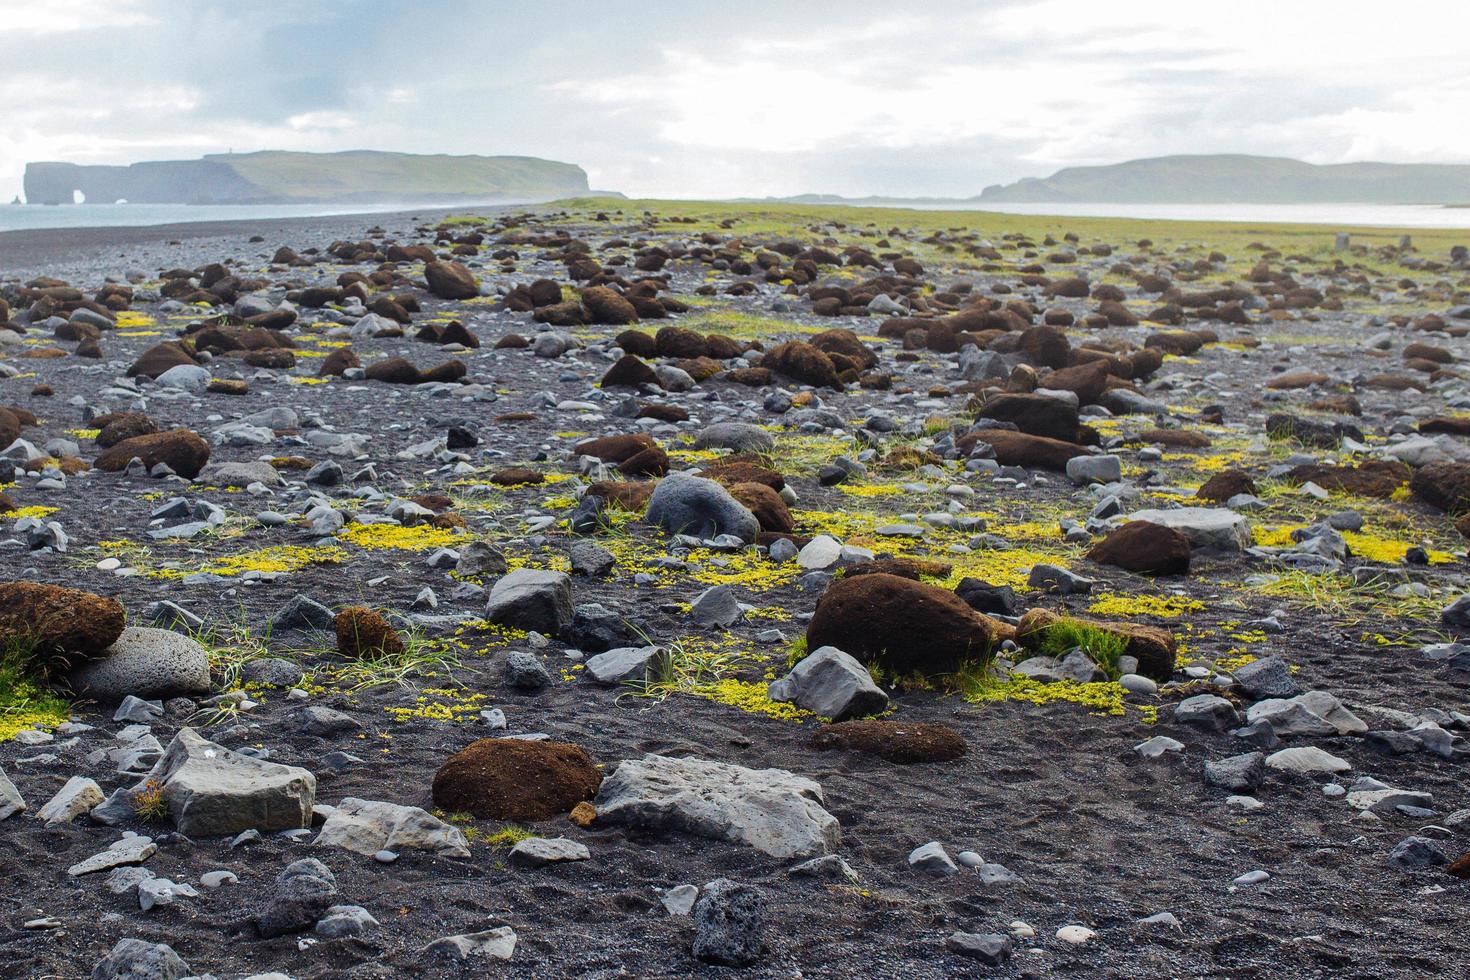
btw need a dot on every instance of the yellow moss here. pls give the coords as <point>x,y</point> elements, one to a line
<point>278,558</point>
<point>84,433</point>
<point>750,696</point>
<point>871,489</point>
<point>440,704</point>
<point>395,537</point>
<point>1127,606</point>
<point>127,319</point>
<point>36,510</point>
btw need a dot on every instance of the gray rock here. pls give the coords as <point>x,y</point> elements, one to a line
<point>134,959</point>
<point>1083,470</point>
<point>1312,713</point>
<point>628,664</point>
<point>832,684</point>
<point>369,826</point>
<point>533,852</point>
<point>683,504</point>
<point>147,663</point>
<point>496,944</point>
<point>1207,711</point>
<point>679,900</point>
<point>11,802</point>
<point>1267,677</point>
<point>525,672</point>
<point>1054,578</point>
<point>1205,527</point>
<point>1238,774</point>
<point>241,475</point>
<point>129,850</point>
<point>345,920</point>
<point>591,559</point>
<point>772,810</point>
<point>301,613</point>
<point>990,948</point>
<point>479,558</point>
<point>1307,759</point>
<point>820,552</point>
<point>730,923</point>
<point>741,437</point>
<point>188,377</point>
<point>321,721</point>
<point>271,671</point>
<point>933,858</point>
<point>716,606</point>
<point>532,599</point>
<point>211,790</point>
<point>77,798</point>
<point>827,866</point>
<point>1415,854</point>
<point>302,894</point>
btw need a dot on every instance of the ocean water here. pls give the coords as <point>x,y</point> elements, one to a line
<point>1340,215</point>
<point>14,217</point>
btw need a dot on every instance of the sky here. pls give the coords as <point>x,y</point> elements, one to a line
<point>756,98</point>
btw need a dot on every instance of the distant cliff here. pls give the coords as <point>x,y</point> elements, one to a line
<point>281,177</point>
<point>1242,179</point>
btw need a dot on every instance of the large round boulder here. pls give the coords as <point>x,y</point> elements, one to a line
<point>450,280</point>
<point>904,626</point>
<point>146,663</point>
<point>1142,546</point>
<point>683,504</point>
<point>514,779</point>
<point>180,450</point>
<point>1444,485</point>
<point>57,625</point>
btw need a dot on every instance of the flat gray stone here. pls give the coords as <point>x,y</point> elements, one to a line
<point>533,852</point>
<point>1205,527</point>
<point>369,826</point>
<point>531,599</point>
<point>832,684</point>
<point>628,665</point>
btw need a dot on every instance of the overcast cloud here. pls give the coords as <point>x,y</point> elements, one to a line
<point>691,99</point>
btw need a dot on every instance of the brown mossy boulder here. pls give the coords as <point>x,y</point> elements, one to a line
<point>738,469</point>
<point>1226,484</point>
<point>512,341</point>
<point>6,504</point>
<point>362,632</point>
<point>1038,415</point>
<point>1443,485</point>
<point>9,427</point>
<point>631,496</point>
<point>394,371</point>
<point>1154,648</point>
<point>680,342</point>
<point>637,343</point>
<point>607,306</point>
<point>663,411</point>
<point>751,377</point>
<point>767,506</point>
<point>517,476</point>
<point>515,779</point>
<point>181,450</point>
<point>904,626</point>
<point>802,363</point>
<point>904,743</point>
<point>1179,342</point>
<point>159,358</point>
<point>1144,547</point>
<point>54,627</point>
<point>1023,449</point>
<point>846,343</point>
<point>699,368</point>
<point>1175,438</point>
<point>615,449</point>
<point>455,332</point>
<point>1292,380</point>
<point>450,371</point>
<point>544,292</point>
<point>337,362</point>
<point>1446,425</point>
<point>114,427</point>
<point>1044,346</point>
<point>450,280</point>
<point>278,359</point>
<point>722,348</point>
<point>1371,478</point>
<point>1087,381</point>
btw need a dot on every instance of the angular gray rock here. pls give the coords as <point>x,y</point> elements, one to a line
<point>11,802</point>
<point>497,944</point>
<point>370,826</point>
<point>683,504</point>
<point>772,810</point>
<point>1238,774</point>
<point>740,437</point>
<point>1267,677</point>
<point>990,948</point>
<point>533,852</point>
<point>1208,711</point>
<point>146,663</point>
<point>134,959</point>
<point>531,599</point>
<point>628,664</point>
<point>730,923</point>
<point>78,797</point>
<point>832,684</point>
<point>933,858</point>
<point>302,894</point>
<point>211,790</point>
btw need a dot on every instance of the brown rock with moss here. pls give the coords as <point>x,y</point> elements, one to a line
<point>179,449</point>
<point>629,496</point>
<point>513,779</point>
<point>767,506</point>
<point>1153,647</point>
<point>55,627</point>
<point>1142,546</point>
<point>899,742</point>
<point>1226,484</point>
<point>904,626</point>
<point>337,362</point>
<point>803,363</point>
<point>1022,449</point>
<point>629,372</point>
<point>362,632</point>
<point>607,306</point>
<point>1371,478</point>
<point>450,280</point>
<point>1443,485</point>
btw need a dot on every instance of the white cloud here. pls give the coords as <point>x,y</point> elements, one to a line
<point>68,16</point>
<point>321,119</point>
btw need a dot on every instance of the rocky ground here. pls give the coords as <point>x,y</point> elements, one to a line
<point>367,613</point>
